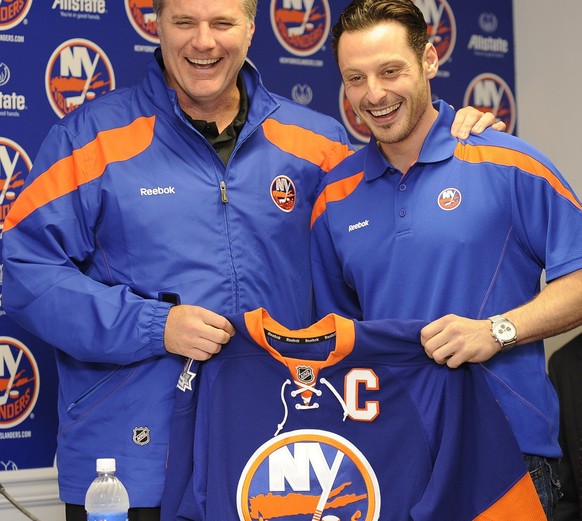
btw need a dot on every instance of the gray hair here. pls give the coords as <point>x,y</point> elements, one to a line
<point>249,7</point>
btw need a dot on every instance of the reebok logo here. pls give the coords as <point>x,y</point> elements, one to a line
<point>357,226</point>
<point>157,191</point>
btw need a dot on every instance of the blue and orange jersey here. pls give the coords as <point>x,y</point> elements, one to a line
<point>341,420</point>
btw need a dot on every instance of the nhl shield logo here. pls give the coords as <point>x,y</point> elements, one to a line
<point>141,435</point>
<point>305,374</point>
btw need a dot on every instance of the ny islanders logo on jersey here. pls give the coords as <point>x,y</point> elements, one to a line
<point>77,71</point>
<point>283,193</point>
<point>490,93</point>
<point>449,199</point>
<point>14,167</point>
<point>301,26</point>
<point>351,120</point>
<point>19,382</point>
<point>142,18</point>
<point>441,26</point>
<point>307,475</point>
<point>12,12</point>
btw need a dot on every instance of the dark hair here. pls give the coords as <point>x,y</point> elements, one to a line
<point>364,14</point>
<point>249,7</point>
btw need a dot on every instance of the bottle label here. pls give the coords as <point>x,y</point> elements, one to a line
<point>113,516</point>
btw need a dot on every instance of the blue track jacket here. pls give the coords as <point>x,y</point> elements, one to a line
<point>127,202</point>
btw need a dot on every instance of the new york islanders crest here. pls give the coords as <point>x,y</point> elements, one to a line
<point>308,475</point>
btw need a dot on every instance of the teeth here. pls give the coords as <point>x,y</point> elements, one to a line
<point>202,62</point>
<point>386,111</point>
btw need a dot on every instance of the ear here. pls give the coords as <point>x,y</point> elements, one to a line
<point>251,32</point>
<point>430,61</point>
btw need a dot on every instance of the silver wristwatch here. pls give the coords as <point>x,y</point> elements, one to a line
<point>504,332</point>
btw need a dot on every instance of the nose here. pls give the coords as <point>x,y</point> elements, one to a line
<point>375,91</point>
<point>203,37</point>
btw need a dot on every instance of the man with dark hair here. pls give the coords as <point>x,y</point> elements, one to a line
<point>419,224</point>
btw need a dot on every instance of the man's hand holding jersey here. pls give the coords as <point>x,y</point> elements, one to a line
<point>196,332</point>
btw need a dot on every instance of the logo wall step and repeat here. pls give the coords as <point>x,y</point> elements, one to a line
<point>56,55</point>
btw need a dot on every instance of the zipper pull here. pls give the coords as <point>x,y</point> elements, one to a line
<point>223,194</point>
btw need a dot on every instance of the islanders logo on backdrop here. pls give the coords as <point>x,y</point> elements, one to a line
<point>351,120</point>
<point>301,26</point>
<point>143,19</point>
<point>441,26</point>
<point>12,12</point>
<point>489,92</point>
<point>14,167</point>
<point>19,382</point>
<point>77,71</point>
<point>311,473</point>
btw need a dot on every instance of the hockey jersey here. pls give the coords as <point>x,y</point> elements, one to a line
<point>344,420</point>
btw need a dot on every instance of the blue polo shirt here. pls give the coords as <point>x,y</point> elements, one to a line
<point>468,230</point>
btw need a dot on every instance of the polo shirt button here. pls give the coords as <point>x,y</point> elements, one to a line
<point>402,212</point>
<point>402,187</point>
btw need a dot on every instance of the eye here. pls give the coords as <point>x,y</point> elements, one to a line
<point>354,79</point>
<point>223,24</point>
<point>183,22</point>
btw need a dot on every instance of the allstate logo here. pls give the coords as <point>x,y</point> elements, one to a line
<point>4,73</point>
<point>488,22</point>
<point>351,120</point>
<point>143,19</point>
<point>302,94</point>
<point>301,474</point>
<point>12,12</point>
<point>14,167</point>
<point>489,92</point>
<point>77,71</point>
<point>301,26</point>
<point>19,382</point>
<point>441,26</point>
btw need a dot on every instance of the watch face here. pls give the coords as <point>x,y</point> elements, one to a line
<point>505,331</point>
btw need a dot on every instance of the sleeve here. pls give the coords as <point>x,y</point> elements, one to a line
<point>48,242</point>
<point>548,214</point>
<point>331,293</point>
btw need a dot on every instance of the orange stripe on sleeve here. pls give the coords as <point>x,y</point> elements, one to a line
<point>508,157</point>
<point>335,192</point>
<point>83,165</point>
<point>520,503</point>
<point>306,144</point>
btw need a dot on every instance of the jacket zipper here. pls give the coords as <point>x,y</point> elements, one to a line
<point>223,194</point>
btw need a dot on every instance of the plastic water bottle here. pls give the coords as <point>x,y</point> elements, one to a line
<point>106,498</point>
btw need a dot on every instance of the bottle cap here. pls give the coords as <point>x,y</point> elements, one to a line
<point>105,464</point>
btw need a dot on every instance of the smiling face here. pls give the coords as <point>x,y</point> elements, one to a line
<point>204,44</point>
<point>386,84</point>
